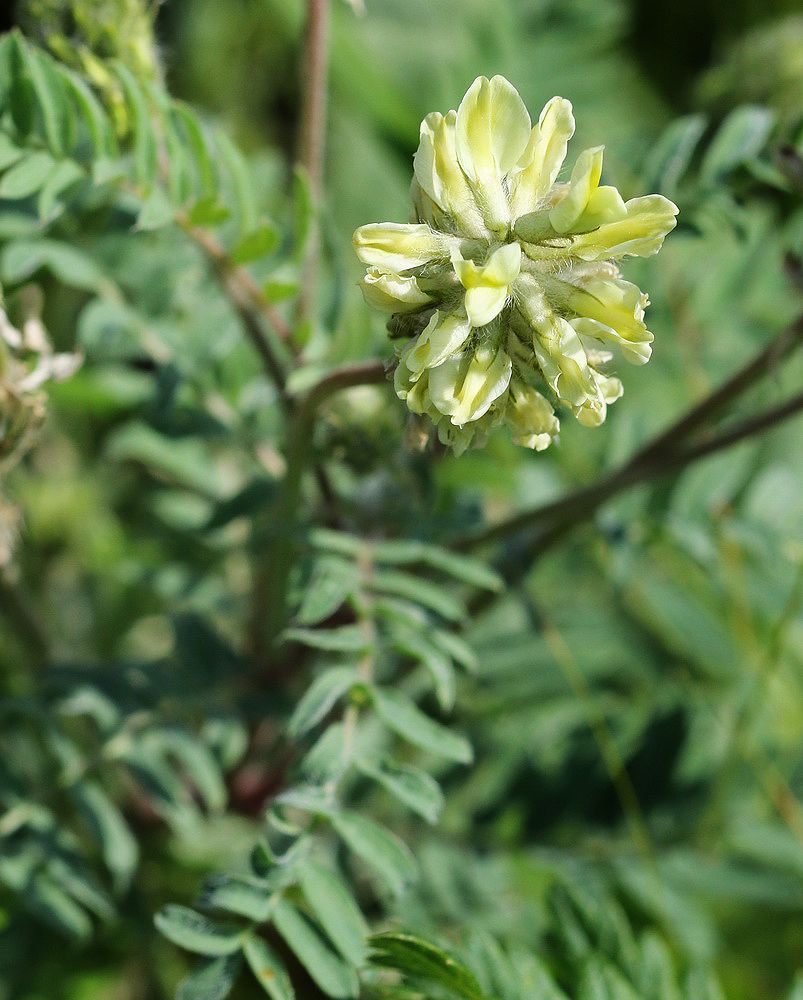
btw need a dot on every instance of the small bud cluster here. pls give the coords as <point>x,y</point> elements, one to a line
<point>27,362</point>
<point>506,288</point>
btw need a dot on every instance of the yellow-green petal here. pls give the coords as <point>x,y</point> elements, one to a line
<point>618,307</point>
<point>488,286</point>
<point>584,182</point>
<point>392,293</point>
<point>492,132</point>
<point>439,175</point>
<point>542,159</point>
<point>443,336</point>
<point>464,387</point>
<point>640,233</point>
<point>394,246</point>
<point>530,417</point>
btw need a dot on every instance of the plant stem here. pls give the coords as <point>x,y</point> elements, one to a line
<point>312,136</point>
<point>250,305</point>
<point>269,612</point>
<point>663,455</point>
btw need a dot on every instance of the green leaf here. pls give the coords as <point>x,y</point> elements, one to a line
<point>118,845</point>
<point>437,663</point>
<point>144,138</point>
<point>201,147</point>
<point>656,974</point>
<point>21,259</point>
<point>258,243</point>
<point>408,721</point>
<point>332,583</point>
<point>412,786</point>
<point>456,647</point>
<point>156,212</point>
<point>671,156</point>
<point>326,759</point>
<point>741,136</point>
<point>176,159</point>
<point>333,975</point>
<point>97,123</point>
<point>197,763</point>
<point>601,981</point>
<point>57,907</point>
<point>9,152</point>
<point>279,290</point>
<point>237,894</point>
<point>253,497</point>
<point>51,101</point>
<point>182,461</point>
<point>463,568</point>
<point>63,177</point>
<point>421,591</point>
<point>268,968</point>
<point>335,909</point>
<point>197,933</point>
<point>212,980</point>
<point>346,639</point>
<point>310,798</point>
<point>238,175</point>
<point>208,212</point>
<point>378,847</point>
<point>27,176</point>
<point>320,698</point>
<point>71,875</point>
<point>425,963</point>
<point>701,984</point>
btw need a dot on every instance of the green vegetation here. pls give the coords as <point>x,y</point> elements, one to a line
<point>298,702</point>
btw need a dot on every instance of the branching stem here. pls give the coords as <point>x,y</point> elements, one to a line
<point>665,454</point>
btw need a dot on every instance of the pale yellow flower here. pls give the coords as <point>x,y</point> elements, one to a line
<point>506,283</point>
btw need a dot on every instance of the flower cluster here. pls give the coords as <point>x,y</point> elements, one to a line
<point>506,283</point>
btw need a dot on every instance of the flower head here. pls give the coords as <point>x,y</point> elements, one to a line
<point>505,290</point>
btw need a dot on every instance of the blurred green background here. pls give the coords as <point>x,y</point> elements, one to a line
<point>675,619</point>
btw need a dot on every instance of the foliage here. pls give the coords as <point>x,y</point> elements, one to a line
<point>252,639</point>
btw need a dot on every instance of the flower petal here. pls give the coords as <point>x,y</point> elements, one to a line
<point>611,310</point>
<point>392,293</point>
<point>443,336</point>
<point>488,286</point>
<point>542,159</point>
<point>530,417</point>
<point>584,182</point>
<point>440,177</point>
<point>503,266</point>
<point>492,131</point>
<point>465,387</point>
<point>393,246</point>
<point>484,303</point>
<point>640,233</point>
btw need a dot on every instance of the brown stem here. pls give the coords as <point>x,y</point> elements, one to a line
<point>666,453</point>
<point>250,304</point>
<point>313,113</point>
<point>312,136</point>
<point>787,341</point>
